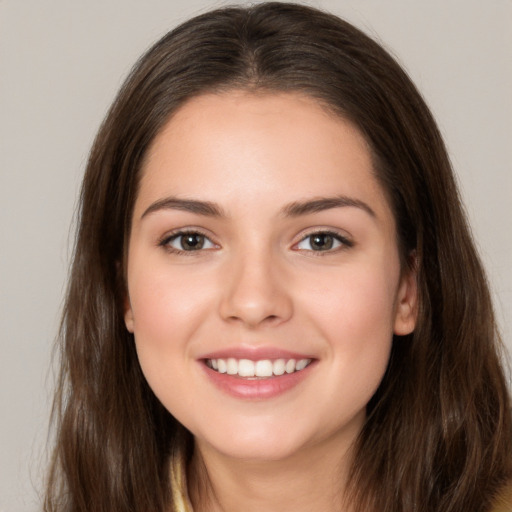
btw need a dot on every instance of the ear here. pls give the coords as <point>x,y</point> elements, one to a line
<point>123,292</point>
<point>128,314</point>
<point>406,312</point>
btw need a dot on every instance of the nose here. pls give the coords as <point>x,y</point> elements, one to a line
<point>256,292</point>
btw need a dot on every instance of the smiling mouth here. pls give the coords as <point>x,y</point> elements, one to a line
<point>263,368</point>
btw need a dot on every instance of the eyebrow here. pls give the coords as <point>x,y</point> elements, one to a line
<point>206,208</point>
<point>295,209</point>
<point>325,203</point>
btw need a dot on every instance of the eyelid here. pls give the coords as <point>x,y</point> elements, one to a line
<point>164,240</point>
<point>345,241</point>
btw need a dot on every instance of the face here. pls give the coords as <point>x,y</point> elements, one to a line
<point>263,275</point>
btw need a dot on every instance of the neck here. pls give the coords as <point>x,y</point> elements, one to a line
<point>314,479</point>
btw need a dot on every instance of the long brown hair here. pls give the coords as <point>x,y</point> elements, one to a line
<point>438,431</point>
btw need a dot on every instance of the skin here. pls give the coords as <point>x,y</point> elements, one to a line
<point>257,282</point>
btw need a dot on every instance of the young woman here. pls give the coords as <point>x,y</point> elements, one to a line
<point>275,302</point>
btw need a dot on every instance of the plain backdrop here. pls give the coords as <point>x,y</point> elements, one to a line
<point>62,61</point>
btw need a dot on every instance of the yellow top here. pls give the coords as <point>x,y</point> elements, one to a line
<point>178,475</point>
<point>181,501</point>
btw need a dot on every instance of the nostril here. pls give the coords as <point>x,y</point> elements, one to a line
<point>255,301</point>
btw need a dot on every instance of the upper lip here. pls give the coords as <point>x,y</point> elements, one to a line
<point>254,353</point>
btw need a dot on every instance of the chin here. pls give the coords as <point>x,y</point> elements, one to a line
<point>258,451</point>
<point>263,444</point>
<point>258,444</point>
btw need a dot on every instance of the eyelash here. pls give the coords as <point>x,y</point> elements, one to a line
<point>344,243</point>
<point>168,238</point>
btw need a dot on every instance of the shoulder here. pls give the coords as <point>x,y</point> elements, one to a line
<point>503,501</point>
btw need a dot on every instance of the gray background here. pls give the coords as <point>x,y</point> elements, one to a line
<point>61,62</point>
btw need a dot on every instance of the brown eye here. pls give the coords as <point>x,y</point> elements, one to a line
<point>188,241</point>
<point>191,241</point>
<point>323,242</point>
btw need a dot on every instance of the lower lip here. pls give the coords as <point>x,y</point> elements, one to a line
<point>256,389</point>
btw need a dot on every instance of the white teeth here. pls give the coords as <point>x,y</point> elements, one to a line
<point>261,368</point>
<point>290,366</point>
<point>245,368</point>
<point>232,366</point>
<point>279,366</point>
<point>223,367</point>
<point>301,364</point>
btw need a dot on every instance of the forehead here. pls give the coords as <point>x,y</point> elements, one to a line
<point>262,147</point>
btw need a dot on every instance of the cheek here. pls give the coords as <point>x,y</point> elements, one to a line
<point>167,312</point>
<point>355,301</point>
<point>165,300</point>
<point>355,312</point>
